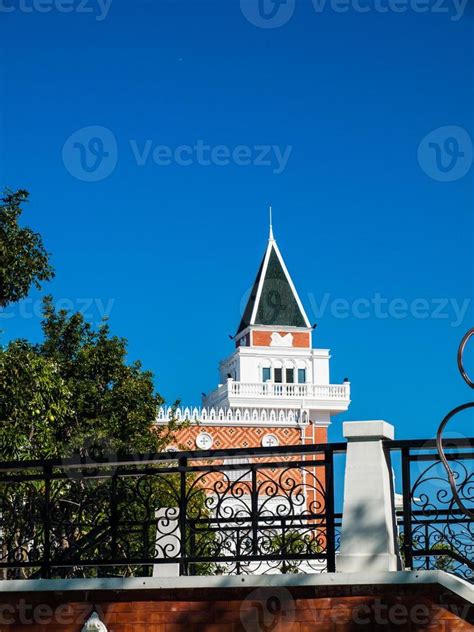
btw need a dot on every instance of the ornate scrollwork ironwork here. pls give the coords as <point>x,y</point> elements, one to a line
<point>438,516</point>
<point>245,513</point>
<point>442,536</point>
<point>439,437</point>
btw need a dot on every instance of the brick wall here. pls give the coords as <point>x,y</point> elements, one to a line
<point>302,609</point>
<point>226,437</point>
<point>264,338</point>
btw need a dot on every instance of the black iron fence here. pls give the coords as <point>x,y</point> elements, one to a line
<point>261,510</point>
<point>435,532</point>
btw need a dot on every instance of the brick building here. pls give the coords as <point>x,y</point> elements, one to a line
<point>274,389</point>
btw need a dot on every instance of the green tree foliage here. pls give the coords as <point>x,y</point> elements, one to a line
<point>74,393</point>
<point>292,542</point>
<point>439,562</point>
<point>33,397</point>
<point>24,261</point>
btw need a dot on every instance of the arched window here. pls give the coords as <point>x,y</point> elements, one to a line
<point>301,376</point>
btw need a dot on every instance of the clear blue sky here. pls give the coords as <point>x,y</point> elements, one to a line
<point>359,210</point>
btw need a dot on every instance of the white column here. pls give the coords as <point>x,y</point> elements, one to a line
<point>368,536</point>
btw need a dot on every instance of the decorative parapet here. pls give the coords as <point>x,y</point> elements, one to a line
<point>248,394</point>
<point>272,389</point>
<point>225,415</point>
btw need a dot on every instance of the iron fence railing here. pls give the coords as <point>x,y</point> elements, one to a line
<point>434,531</point>
<point>254,510</point>
<point>261,510</point>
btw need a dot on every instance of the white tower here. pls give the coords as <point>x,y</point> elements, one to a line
<point>274,365</point>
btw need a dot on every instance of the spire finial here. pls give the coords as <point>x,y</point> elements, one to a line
<point>271,223</point>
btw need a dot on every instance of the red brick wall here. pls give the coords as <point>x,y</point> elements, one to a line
<point>249,436</point>
<point>235,436</point>
<point>301,339</point>
<point>246,436</point>
<point>303,609</point>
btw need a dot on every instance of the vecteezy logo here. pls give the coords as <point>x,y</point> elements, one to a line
<point>90,154</point>
<point>445,154</point>
<point>268,14</point>
<point>265,610</point>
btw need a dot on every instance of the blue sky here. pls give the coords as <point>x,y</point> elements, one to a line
<point>334,117</point>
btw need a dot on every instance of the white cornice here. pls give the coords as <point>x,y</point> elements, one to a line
<point>290,328</point>
<point>445,580</point>
<point>277,351</point>
<point>216,423</point>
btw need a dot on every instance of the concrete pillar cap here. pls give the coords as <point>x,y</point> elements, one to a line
<point>376,430</point>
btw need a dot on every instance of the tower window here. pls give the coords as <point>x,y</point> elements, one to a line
<point>290,376</point>
<point>301,376</point>
<point>278,376</point>
<point>266,374</point>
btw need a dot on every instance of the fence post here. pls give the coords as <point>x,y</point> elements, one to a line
<point>368,536</point>
<point>46,565</point>
<point>407,524</point>
<point>330,517</point>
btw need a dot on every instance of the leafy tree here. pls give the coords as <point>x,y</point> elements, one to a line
<point>292,542</point>
<point>74,393</point>
<point>33,397</point>
<point>439,562</point>
<point>444,562</point>
<point>24,261</point>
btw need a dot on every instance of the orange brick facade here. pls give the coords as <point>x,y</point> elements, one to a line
<point>301,339</point>
<point>297,609</point>
<point>227,437</point>
<point>248,436</point>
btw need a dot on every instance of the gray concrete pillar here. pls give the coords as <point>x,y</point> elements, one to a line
<point>368,536</point>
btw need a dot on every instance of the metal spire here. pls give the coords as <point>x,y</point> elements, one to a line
<point>271,238</point>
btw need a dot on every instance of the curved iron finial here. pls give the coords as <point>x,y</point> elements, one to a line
<point>461,349</point>
<point>449,416</point>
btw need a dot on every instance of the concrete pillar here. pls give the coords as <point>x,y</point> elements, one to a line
<point>368,536</point>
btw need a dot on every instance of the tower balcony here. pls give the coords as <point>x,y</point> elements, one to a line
<point>233,394</point>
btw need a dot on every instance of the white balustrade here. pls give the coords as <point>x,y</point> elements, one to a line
<point>272,389</point>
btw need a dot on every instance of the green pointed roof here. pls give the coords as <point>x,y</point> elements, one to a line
<point>273,299</point>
